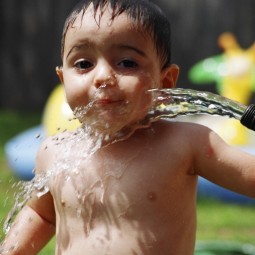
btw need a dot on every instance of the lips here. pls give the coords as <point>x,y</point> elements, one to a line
<point>106,101</point>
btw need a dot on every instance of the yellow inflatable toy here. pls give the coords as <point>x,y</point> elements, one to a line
<point>58,116</point>
<point>234,74</point>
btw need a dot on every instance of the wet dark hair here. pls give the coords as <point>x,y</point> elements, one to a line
<point>144,13</point>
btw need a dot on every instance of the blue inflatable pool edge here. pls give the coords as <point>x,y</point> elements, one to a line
<point>207,189</point>
<point>21,152</point>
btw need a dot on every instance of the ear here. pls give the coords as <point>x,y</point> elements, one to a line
<point>170,76</point>
<point>59,72</point>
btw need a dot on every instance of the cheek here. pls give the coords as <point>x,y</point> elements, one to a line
<point>139,96</point>
<point>77,92</point>
<point>139,84</point>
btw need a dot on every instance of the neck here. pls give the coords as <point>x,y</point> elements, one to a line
<point>106,137</point>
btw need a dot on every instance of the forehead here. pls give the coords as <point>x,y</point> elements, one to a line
<point>101,20</point>
<point>101,25</point>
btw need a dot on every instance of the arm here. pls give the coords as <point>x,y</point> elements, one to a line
<point>31,229</point>
<point>34,225</point>
<point>223,164</point>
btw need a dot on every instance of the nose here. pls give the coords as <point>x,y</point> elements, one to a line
<point>105,76</point>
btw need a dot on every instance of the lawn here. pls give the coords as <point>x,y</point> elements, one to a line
<point>216,221</point>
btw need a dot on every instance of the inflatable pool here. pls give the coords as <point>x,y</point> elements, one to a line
<point>21,152</point>
<point>207,189</point>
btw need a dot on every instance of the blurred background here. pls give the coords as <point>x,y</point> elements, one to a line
<point>30,51</point>
<point>31,33</point>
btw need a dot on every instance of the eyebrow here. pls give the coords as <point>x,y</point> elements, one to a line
<point>79,46</point>
<point>129,47</point>
<point>87,44</point>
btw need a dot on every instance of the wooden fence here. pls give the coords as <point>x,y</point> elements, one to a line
<point>31,32</point>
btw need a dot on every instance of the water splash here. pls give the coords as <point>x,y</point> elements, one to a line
<point>166,104</point>
<point>23,193</point>
<point>170,103</point>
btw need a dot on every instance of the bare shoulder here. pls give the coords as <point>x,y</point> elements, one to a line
<point>190,138</point>
<point>49,149</point>
<point>193,142</point>
<point>188,130</point>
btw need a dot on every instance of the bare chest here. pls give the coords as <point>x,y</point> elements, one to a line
<point>124,180</point>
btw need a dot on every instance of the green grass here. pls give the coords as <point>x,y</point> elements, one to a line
<point>221,221</point>
<point>216,221</point>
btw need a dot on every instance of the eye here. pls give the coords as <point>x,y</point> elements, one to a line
<point>83,64</point>
<point>127,63</point>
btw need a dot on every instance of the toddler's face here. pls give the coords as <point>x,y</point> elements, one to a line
<point>109,65</point>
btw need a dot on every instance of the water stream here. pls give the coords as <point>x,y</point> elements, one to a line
<point>170,103</point>
<point>166,104</point>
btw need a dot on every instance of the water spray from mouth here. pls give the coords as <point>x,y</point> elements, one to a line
<point>105,114</point>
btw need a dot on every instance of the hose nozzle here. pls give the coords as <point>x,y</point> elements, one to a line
<point>248,117</point>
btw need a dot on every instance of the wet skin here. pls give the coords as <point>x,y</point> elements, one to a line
<point>126,198</point>
<point>133,197</point>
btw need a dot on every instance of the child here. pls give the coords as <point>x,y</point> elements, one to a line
<point>136,196</point>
